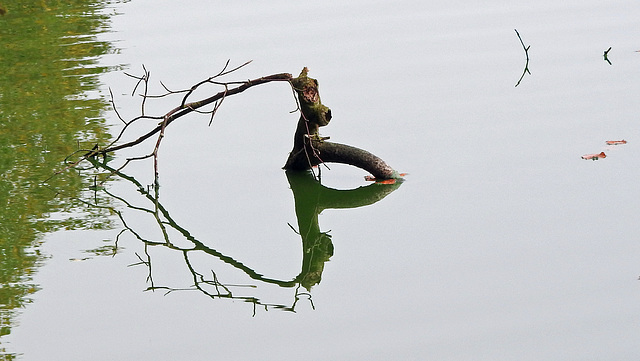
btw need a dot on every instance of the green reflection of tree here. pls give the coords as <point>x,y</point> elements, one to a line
<point>48,56</point>
<point>311,198</point>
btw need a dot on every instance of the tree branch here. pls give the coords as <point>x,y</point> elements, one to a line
<point>187,108</point>
<point>309,149</point>
<point>526,53</point>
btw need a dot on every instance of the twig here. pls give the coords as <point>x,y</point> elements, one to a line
<point>526,53</point>
<point>144,80</point>
<point>113,104</point>
<point>187,108</point>
<point>217,104</point>
<point>606,56</point>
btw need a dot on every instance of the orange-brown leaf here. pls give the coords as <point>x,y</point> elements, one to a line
<point>616,142</point>
<point>594,156</point>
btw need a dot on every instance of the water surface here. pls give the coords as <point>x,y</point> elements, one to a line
<point>501,244</point>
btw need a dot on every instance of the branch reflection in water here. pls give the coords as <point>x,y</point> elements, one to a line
<point>311,198</point>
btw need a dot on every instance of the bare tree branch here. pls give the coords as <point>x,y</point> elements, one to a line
<point>310,149</point>
<point>187,108</point>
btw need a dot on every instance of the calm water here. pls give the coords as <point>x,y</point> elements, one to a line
<point>502,243</point>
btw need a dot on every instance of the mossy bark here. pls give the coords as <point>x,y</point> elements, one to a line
<point>310,149</point>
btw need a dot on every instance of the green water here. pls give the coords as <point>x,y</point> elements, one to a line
<point>49,64</point>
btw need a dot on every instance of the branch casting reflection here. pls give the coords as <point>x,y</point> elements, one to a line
<point>311,198</point>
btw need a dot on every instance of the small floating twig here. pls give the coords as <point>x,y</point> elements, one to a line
<point>526,53</point>
<point>606,56</point>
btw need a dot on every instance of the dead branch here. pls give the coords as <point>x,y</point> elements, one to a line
<point>187,108</point>
<point>309,148</point>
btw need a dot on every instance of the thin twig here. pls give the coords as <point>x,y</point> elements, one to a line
<point>190,107</point>
<point>606,55</point>
<point>217,104</point>
<point>113,104</point>
<point>526,53</point>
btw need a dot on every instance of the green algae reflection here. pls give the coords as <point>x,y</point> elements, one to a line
<point>48,55</point>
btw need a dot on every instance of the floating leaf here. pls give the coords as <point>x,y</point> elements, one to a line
<point>616,142</point>
<point>383,181</point>
<point>594,156</point>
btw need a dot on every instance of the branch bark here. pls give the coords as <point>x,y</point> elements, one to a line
<point>310,149</point>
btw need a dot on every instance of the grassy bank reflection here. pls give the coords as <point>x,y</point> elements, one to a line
<point>49,52</point>
<point>311,198</point>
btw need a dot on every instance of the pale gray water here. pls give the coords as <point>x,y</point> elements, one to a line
<point>502,244</point>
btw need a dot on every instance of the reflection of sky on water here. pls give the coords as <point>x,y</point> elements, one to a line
<point>503,244</point>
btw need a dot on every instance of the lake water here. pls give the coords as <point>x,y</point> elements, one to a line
<point>502,243</point>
